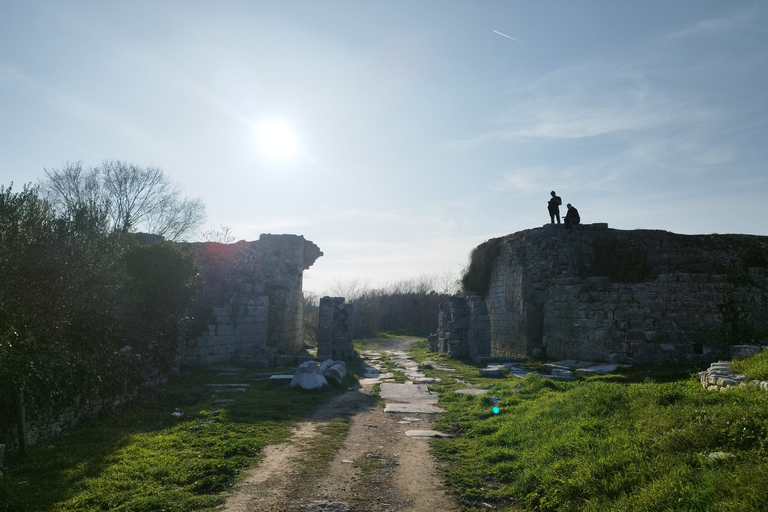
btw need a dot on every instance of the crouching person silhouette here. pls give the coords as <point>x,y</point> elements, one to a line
<point>572,216</point>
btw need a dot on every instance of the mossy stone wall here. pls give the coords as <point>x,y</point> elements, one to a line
<point>639,296</point>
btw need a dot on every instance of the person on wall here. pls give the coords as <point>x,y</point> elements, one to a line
<point>554,207</point>
<point>572,216</point>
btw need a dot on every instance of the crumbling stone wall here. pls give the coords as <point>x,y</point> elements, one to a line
<point>463,328</point>
<point>640,296</point>
<point>334,329</point>
<point>252,308</point>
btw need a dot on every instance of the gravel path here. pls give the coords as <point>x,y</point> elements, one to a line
<point>378,468</point>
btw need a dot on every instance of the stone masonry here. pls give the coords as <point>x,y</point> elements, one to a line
<point>334,329</point>
<point>464,328</point>
<point>252,309</point>
<point>640,296</point>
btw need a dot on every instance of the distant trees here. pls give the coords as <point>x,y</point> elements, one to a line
<point>131,197</point>
<point>222,236</point>
<point>410,306</point>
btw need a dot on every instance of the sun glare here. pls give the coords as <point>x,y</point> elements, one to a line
<point>276,140</point>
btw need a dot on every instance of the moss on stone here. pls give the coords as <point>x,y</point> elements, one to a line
<point>477,276</point>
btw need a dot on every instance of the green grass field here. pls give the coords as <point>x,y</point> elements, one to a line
<point>145,459</point>
<point>624,443</point>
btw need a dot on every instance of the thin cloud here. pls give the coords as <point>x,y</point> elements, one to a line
<point>25,84</point>
<point>714,26</point>
<point>508,37</point>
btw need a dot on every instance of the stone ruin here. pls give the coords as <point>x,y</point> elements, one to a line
<point>334,329</point>
<point>600,294</point>
<point>252,309</point>
<point>464,328</point>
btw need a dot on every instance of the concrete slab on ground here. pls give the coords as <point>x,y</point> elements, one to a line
<point>427,380</point>
<point>425,434</point>
<point>281,380</point>
<point>472,391</point>
<point>414,408</point>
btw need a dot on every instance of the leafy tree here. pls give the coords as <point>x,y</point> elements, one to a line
<point>73,292</point>
<point>164,281</point>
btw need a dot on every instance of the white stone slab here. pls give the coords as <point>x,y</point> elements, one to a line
<point>425,434</point>
<point>473,391</point>
<point>281,380</point>
<point>413,408</point>
<point>407,393</point>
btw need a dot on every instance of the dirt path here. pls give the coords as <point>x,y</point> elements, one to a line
<point>377,468</point>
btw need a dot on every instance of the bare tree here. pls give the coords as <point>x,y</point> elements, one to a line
<point>73,187</point>
<point>132,196</point>
<point>222,236</point>
<point>448,283</point>
<point>351,289</point>
<point>424,284</point>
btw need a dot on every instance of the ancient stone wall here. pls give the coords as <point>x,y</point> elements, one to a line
<point>334,329</point>
<point>252,308</point>
<point>640,296</point>
<point>464,328</point>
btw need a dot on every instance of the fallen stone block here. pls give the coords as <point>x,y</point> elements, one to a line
<point>561,373</point>
<point>493,371</point>
<point>336,372</point>
<point>308,376</point>
<point>280,380</point>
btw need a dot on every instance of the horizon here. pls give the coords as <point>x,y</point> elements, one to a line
<point>397,137</point>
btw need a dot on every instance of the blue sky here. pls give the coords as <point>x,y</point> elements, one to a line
<point>421,131</point>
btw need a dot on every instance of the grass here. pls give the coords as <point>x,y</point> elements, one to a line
<point>755,367</point>
<point>628,444</point>
<point>389,366</point>
<point>144,459</point>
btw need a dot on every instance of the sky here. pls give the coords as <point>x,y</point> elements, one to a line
<point>421,128</point>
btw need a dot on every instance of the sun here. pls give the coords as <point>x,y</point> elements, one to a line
<point>276,140</point>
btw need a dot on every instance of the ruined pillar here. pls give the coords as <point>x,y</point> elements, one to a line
<point>334,330</point>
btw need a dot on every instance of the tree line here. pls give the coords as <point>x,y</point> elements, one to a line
<point>86,311</point>
<point>409,306</point>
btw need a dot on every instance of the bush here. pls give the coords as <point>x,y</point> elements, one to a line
<point>477,276</point>
<point>74,292</point>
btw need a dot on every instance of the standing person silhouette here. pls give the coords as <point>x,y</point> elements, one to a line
<point>554,207</point>
<point>572,217</point>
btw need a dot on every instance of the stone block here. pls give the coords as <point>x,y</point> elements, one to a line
<point>562,373</point>
<point>280,380</point>
<point>742,351</point>
<point>308,376</point>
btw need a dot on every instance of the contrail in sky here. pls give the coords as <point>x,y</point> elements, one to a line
<point>508,37</point>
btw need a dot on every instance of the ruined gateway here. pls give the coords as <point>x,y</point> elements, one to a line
<point>600,294</point>
<point>252,310</point>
